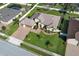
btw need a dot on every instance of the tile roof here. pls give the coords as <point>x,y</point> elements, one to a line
<point>7,14</point>
<point>77,36</point>
<point>73,28</point>
<point>27,21</point>
<point>49,20</point>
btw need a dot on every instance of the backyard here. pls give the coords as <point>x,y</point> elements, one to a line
<point>49,42</point>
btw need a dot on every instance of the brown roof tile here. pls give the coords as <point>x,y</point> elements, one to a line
<point>73,28</point>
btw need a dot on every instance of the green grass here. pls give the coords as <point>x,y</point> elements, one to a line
<point>3,37</point>
<point>11,28</point>
<point>57,6</point>
<point>52,12</point>
<point>42,4</point>
<point>57,45</point>
<point>34,50</point>
<point>41,10</point>
<point>74,15</point>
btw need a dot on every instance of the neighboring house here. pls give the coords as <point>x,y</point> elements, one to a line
<point>73,28</point>
<point>50,21</point>
<point>27,22</point>
<point>8,14</point>
<point>72,47</point>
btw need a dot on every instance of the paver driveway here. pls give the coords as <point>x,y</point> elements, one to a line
<point>21,32</point>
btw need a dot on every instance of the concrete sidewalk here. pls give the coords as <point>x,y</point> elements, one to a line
<point>57,9</point>
<point>28,12</point>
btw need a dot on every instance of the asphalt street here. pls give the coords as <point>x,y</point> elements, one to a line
<point>8,49</point>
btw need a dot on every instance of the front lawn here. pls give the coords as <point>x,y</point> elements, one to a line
<point>11,28</point>
<point>3,37</point>
<point>50,42</point>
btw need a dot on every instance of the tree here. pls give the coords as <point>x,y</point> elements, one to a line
<point>38,36</point>
<point>3,28</point>
<point>47,43</point>
<point>68,7</point>
<point>16,21</point>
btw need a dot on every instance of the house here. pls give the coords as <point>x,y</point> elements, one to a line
<point>50,21</point>
<point>72,48</point>
<point>27,22</point>
<point>8,14</point>
<point>73,28</point>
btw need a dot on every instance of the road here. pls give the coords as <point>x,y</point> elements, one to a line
<point>50,8</point>
<point>28,12</point>
<point>8,49</point>
<point>57,9</point>
<point>4,5</point>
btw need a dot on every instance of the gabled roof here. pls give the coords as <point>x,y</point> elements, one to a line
<point>49,20</point>
<point>7,14</point>
<point>27,21</point>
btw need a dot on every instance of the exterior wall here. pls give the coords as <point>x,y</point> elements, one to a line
<point>26,25</point>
